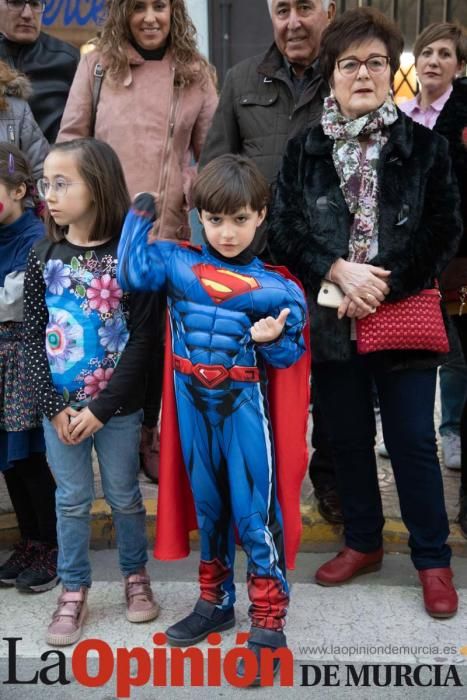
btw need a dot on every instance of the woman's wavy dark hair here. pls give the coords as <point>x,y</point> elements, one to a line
<point>15,170</point>
<point>102,173</point>
<point>190,65</point>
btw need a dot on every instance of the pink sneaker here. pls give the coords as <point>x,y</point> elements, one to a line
<point>68,618</point>
<point>140,603</point>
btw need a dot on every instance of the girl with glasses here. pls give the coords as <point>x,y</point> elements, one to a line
<point>88,344</point>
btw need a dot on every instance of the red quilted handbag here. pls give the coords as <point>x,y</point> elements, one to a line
<point>414,323</point>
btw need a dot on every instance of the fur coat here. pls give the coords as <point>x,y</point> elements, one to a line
<point>18,126</point>
<point>419,225</point>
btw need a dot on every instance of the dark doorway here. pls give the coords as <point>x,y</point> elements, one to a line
<point>237,29</point>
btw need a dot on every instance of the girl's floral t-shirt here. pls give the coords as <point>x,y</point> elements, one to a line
<point>86,317</point>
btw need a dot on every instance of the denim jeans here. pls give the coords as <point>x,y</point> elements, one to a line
<point>116,445</point>
<point>406,402</point>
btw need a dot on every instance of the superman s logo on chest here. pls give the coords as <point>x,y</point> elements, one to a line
<point>222,284</point>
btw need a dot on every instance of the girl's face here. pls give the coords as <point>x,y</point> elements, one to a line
<point>149,23</point>
<point>437,66</point>
<point>11,203</point>
<point>68,198</point>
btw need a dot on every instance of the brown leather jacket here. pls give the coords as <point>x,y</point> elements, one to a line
<point>153,126</point>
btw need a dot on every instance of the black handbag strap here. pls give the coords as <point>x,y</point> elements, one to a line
<point>99,74</point>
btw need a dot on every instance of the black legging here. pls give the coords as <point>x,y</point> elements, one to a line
<point>31,488</point>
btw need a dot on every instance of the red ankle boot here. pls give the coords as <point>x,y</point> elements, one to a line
<point>347,564</point>
<point>439,594</point>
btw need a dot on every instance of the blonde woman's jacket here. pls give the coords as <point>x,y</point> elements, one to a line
<point>18,126</point>
<point>154,127</point>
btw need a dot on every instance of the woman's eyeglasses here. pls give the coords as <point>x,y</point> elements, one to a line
<point>37,6</point>
<point>374,64</point>
<point>59,186</point>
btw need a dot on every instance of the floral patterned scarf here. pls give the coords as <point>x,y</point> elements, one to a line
<point>358,171</point>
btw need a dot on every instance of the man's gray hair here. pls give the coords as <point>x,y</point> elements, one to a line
<point>325,4</point>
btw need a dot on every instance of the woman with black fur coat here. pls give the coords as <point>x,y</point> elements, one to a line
<point>367,201</point>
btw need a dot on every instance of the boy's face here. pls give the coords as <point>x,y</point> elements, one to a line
<point>230,234</point>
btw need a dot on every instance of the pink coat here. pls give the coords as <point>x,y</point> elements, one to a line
<point>154,127</point>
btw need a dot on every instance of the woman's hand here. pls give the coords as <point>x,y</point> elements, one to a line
<point>61,423</point>
<point>364,285</point>
<point>83,425</point>
<point>351,310</point>
<point>268,329</point>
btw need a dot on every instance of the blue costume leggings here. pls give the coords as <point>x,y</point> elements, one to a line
<point>228,452</point>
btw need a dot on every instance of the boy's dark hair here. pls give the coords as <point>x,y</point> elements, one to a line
<point>355,27</point>
<point>15,169</point>
<point>229,183</point>
<point>101,170</point>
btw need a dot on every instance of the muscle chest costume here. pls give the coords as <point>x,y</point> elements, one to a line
<point>219,377</point>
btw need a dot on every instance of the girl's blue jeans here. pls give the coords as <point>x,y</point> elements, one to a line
<point>117,448</point>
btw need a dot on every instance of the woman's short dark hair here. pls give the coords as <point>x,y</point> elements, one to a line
<point>229,183</point>
<point>443,30</point>
<point>101,170</point>
<point>355,27</point>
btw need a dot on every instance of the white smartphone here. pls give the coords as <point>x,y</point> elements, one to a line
<point>330,295</point>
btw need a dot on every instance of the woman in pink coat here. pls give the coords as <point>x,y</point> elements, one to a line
<point>156,101</point>
<point>155,106</point>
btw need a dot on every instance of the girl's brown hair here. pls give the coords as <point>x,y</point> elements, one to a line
<point>443,30</point>
<point>101,170</point>
<point>229,183</point>
<point>190,65</point>
<point>15,170</point>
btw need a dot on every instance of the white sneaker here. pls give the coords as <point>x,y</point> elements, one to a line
<point>451,449</point>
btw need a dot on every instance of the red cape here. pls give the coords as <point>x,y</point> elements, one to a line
<point>288,397</point>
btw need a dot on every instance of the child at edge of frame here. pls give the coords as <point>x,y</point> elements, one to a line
<point>87,342</point>
<point>230,317</point>
<point>32,567</point>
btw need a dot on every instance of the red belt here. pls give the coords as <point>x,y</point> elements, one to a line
<point>212,375</point>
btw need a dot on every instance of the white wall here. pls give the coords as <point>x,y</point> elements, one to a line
<point>198,10</point>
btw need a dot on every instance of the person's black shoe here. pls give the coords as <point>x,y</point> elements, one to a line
<point>260,639</point>
<point>205,618</point>
<point>23,555</point>
<point>329,506</point>
<point>462,517</point>
<point>41,576</point>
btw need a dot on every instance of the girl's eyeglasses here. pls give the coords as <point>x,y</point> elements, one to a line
<point>59,186</point>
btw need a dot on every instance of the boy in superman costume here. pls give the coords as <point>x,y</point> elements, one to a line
<point>230,316</point>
